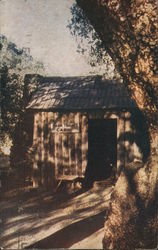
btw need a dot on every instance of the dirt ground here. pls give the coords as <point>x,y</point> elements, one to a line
<point>34,218</point>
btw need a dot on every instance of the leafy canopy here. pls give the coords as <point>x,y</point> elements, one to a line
<point>15,63</point>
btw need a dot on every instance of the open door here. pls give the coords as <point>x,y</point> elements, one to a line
<point>102,149</point>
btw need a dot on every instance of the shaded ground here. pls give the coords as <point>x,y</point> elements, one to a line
<point>36,218</point>
<point>74,233</point>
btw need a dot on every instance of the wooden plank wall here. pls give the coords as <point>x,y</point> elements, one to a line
<point>59,153</point>
<point>37,150</point>
<point>66,153</point>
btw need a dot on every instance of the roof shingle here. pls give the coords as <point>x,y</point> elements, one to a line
<point>80,93</point>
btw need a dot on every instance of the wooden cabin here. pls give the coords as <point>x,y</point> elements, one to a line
<point>83,127</point>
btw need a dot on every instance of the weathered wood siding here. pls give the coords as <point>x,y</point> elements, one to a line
<point>60,152</point>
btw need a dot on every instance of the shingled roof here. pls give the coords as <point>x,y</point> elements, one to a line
<point>80,93</point>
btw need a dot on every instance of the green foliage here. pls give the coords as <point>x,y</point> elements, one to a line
<point>15,63</point>
<point>90,43</point>
<point>129,33</point>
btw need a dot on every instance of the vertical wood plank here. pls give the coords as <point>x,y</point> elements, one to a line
<point>51,150</point>
<point>56,141</point>
<point>71,145</point>
<point>78,147</point>
<point>37,147</point>
<point>65,150</point>
<point>58,148</point>
<point>120,142</point>
<point>84,142</point>
<point>60,156</point>
<point>72,153</point>
<point>35,141</point>
<point>45,148</point>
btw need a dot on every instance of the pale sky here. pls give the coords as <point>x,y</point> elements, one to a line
<point>42,26</point>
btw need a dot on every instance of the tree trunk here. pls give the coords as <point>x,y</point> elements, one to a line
<point>131,222</point>
<point>129,32</point>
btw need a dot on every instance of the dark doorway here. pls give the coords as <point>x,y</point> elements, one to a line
<point>102,149</point>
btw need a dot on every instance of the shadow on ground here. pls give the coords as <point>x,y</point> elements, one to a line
<point>72,234</point>
<point>41,219</point>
